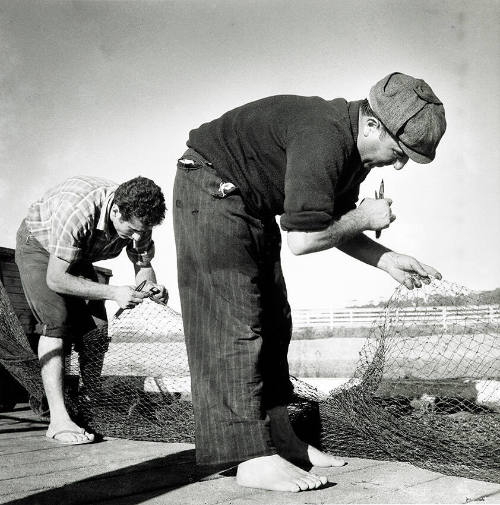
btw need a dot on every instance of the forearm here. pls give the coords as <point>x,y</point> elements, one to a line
<point>144,274</point>
<point>67,284</point>
<point>341,231</point>
<point>366,250</point>
<point>404,269</point>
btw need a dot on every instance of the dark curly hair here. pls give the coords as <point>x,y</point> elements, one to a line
<point>141,198</point>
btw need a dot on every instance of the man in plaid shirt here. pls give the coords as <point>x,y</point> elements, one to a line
<point>74,224</point>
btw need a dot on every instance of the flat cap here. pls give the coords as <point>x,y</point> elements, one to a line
<point>411,112</point>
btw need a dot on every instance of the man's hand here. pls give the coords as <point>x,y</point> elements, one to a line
<point>127,297</point>
<point>376,213</point>
<point>371,214</point>
<point>156,292</point>
<point>407,270</point>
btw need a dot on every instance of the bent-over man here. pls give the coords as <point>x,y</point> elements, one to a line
<point>74,224</point>
<point>303,158</point>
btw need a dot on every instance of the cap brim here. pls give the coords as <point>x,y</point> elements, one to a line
<point>414,156</point>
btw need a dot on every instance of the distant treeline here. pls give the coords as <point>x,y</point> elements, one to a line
<point>480,298</point>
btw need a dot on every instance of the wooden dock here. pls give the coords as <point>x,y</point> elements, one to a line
<point>36,471</point>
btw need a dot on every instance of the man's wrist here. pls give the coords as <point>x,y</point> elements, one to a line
<point>110,292</point>
<point>385,261</point>
<point>361,219</point>
<point>347,227</point>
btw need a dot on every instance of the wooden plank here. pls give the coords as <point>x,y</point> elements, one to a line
<point>9,267</point>
<point>6,250</point>
<point>18,300</point>
<point>20,449</point>
<point>22,309</point>
<point>17,434</point>
<point>30,461</point>
<point>36,458</point>
<point>40,450</point>
<point>120,454</point>
<point>14,289</point>
<point>12,420</point>
<point>25,435</point>
<point>10,276</point>
<point>95,482</point>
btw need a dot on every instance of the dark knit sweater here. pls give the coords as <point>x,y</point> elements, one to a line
<point>289,155</point>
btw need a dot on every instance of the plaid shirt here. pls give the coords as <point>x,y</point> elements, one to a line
<point>71,221</point>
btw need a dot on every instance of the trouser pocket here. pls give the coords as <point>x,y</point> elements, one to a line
<point>218,187</point>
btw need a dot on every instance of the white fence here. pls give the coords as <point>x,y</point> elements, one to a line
<point>359,317</point>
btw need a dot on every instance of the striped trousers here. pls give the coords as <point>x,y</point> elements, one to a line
<point>237,320</point>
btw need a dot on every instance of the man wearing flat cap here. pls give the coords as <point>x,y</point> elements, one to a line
<point>302,158</point>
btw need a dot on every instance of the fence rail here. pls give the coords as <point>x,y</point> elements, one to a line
<point>359,317</point>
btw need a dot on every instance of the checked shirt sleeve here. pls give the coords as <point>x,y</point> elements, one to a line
<point>70,227</point>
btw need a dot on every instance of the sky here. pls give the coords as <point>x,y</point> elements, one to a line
<point>112,89</point>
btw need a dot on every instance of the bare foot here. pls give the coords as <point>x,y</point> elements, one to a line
<point>291,447</point>
<point>322,459</point>
<point>276,474</point>
<point>68,432</point>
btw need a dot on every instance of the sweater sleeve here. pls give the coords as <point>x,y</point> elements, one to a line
<point>314,161</point>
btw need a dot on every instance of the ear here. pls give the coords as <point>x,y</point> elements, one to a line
<point>115,212</point>
<point>370,125</point>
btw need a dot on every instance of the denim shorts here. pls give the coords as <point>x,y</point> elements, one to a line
<point>58,316</point>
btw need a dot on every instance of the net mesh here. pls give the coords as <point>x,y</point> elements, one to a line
<point>132,380</point>
<point>426,389</point>
<point>16,355</point>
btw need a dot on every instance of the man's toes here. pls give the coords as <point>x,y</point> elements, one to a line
<point>310,481</point>
<point>304,484</point>
<point>318,481</point>
<point>70,435</point>
<point>314,483</point>
<point>83,436</point>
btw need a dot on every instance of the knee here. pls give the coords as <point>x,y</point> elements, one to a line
<point>50,342</point>
<point>49,345</point>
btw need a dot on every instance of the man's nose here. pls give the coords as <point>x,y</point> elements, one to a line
<point>400,163</point>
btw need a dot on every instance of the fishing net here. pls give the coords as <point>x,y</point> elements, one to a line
<point>131,377</point>
<point>426,388</point>
<point>16,355</point>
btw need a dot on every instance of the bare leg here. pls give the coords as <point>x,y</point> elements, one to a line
<point>291,447</point>
<point>50,353</point>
